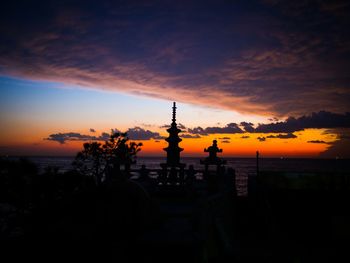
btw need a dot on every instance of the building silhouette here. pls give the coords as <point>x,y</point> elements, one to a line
<point>173,150</point>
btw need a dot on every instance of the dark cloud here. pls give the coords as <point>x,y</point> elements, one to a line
<point>245,137</point>
<point>105,136</point>
<point>92,130</point>
<point>180,126</point>
<point>250,56</point>
<point>317,141</point>
<point>247,126</point>
<point>147,125</point>
<point>138,133</point>
<point>283,136</point>
<point>135,133</point>
<point>225,139</point>
<point>190,136</point>
<point>321,119</point>
<point>261,139</point>
<point>340,148</point>
<point>274,119</point>
<point>197,130</point>
<point>165,126</point>
<point>74,136</point>
<point>309,44</point>
<point>229,128</point>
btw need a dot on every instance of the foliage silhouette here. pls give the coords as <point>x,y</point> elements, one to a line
<point>101,160</point>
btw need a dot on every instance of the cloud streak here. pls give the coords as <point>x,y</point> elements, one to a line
<point>138,133</point>
<point>74,136</point>
<point>190,136</point>
<point>319,120</point>
<point>317,142</point>
<point>231,128</point>
<point>283,136</point>
<point>135,133</point>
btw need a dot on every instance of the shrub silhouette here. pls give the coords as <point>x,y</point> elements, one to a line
<point>101,160</point>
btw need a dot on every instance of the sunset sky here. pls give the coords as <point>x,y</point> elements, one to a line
<point>266,75</point>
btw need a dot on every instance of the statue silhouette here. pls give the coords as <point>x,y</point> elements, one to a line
<point>213,150</point>
<point>213,159</point>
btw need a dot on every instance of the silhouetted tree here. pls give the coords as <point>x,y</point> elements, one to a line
<point>97,159</point>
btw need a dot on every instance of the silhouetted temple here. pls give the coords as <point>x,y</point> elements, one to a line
<point>173,150</point>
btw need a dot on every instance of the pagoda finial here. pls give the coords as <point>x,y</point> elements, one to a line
<point>173,150</point>
<point>174,112</point>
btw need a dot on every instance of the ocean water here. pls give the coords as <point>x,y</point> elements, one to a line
<point>244,167</point>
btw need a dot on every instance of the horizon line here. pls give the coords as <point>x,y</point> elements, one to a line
<point>184,157</point>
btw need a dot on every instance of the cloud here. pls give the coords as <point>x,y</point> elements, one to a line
<point>138,133</point>
<point>274,119</point>
<point>105,136</point>
<point>162,50</point>
<point>92,130</point>
<point>74,136</point>
<point>283,136</point>
<point>165,126</point>
<point>189,136</point>
<point>261,139</point>
<point>248,126</point>
<point>225,139</point>
<point>135,133</point>
<point>340,148</point>
<point>180,126</point>
<point>148,125</point>
<point>317,141</point>
<point>231,128</point>
<point>319,120</point>
<point>198,130</point>
<point>245,137</point>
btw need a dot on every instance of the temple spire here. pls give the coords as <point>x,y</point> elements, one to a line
<point>174,112</point>
<point>173,150</point>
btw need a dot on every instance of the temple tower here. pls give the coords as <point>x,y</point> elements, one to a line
<point>173,150</point>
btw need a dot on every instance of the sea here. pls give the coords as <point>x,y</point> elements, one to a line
<point>245,168</point>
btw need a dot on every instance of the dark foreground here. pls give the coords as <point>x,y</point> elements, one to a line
<point>195,221</point>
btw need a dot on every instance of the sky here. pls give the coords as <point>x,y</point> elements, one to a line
<point>263,75</point>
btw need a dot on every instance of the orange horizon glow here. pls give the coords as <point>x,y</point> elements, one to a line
<point>237,147</point>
